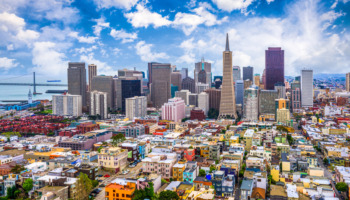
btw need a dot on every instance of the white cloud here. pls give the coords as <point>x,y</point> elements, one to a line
<point>86,50</point>
<point>6,63</point>
<point>146,54</point>
<point>83,39</point>
<point>101,24</point>
<point>10,47</point>
<point>48,61</point>
<point>144,18</point>
<point>124,4</point>
<point>122,35</point>
<point>116,51</point>
<point>102,67</point>
<point>230,5</point>
<point>269,1</point>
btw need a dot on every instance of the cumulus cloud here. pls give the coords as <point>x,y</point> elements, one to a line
<point>48,61</point>
<point>101,24</point>
<point>7,63</point>
<point>303,34</point>
<point>86,50</point>
<point>102,67</point>
<point>143,17</point>
<point>230,5</point>
<point>123,36</point>
<point>124,4</point>
<point>83,39</point>
<point>146,54</point>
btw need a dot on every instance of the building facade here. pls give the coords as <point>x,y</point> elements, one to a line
<point>126,87</point>
<point>68,104</point>
<point>98,104</point>
<point>239,92</point>
<point>307,86</point>
<point>136,107</point>
<point>202,72</point>
<point>248,73</point>
<point>214,98</point>
<point>92,72</point>
<point>251,104</point>
<point>77,80</point>
<point>160,84</point>
<point>189,84</point>
<point>347,82</point>
<point>203,102</point>
<point>104,84</point>
<point>274,67</point>
<point>267,101</point>
<point>174,110</point>
<point>183,94</point>
<point>176,79</point>
<point>236,71</point>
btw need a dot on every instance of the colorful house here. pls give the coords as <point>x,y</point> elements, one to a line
<point>122,192</point>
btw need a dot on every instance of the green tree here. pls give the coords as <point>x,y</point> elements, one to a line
<point>17,169</point>
<point>147,193</point>
<point>12,192</point>
<point>28,185</point>
<point>325,161</point>
<point>212,168</point>
<point>83,186</point>
<point>116,139</point>
<point>163,181</point>
<point>168,195</point>
<point>342,187</point>
<point>94,183</point>
<point>201,172</point>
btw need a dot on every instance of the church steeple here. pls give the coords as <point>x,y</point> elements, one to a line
<point>227,43</point>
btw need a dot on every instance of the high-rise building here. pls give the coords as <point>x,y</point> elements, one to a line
<point>122,73</point>
<point>174,110</point>
<point>251,104</point>
<point>217,83</point>
<point>228,101</point>
<point>248,73</point>
<point>193,99</point>
<point>257,80</point>
<point>189,84</point>
<point>247,83</point>
<point>214,98</point>
<point>160,84</point>
<point>274,67</point>
<point>236,71</point>
<point>267,101</point>
<point>200,87</point>
<point>92,72</point>
<point>67,105</point>
<point>184,95</point>
<point>280,87</point>
<point>104,84</point>
<point>347,82</point>
<point>77,80</point>
<point>296,99</point>
<point>98,103</point>
<point>203,102</point>
<point>281,103</point>
<point>307,88</point>
<point>184,73</point>
<point>239,92</point>
<point>136,107</point>
<point>176,79</point>
<point>202,72</point>
<point>263,77</point>
<point>125,87</point>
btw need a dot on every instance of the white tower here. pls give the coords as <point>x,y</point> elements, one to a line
<point>30,100</point>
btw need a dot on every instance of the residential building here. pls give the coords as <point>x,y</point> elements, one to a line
<point>174,110</point>
<point>77,80</point>
<point>307,88</point>
<point>247,138</point>
<point>267,101</point>
<point>113,158</point>
<point>178,170</point>
<point>67,104</point>
<point>160,163</point>
<point>251,104</point>
<point>184,95</point>
<point>117,191</point>
<point>223,185</point>
<point>133,150</point>
<point>104,84</point>
<point>214,152</point>
<point>274,67</point>
<point>246,189</point>
<point>136,107</point>
<point>203,102</point>
<point>98,104</point>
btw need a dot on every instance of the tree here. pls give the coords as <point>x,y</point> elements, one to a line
<point>168,195</point>
<point>83,186</point>
<point>163,181</point>
<point>213,113</point>
<point>201,172</point>
<point>17,169</point>
<point>342,187</point>
<point>94,183</point>
<point>116,139</point>
<point>12,192</point>
<point>28,185</point>
<point>325,161</point>
<point>147,193</point>
<point>212,168</point>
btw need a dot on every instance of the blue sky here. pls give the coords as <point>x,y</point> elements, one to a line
<point>44,35</point>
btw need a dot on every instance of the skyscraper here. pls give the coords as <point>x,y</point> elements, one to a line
<point>228,101</point>
<point>126,87</point>
<point>347,82</point>
<point>280,87</point>
<point>77,80</point>
<point>251,104</point>
<point>239,92</point>
<point>274,67</point>
<point>174,110</point>
<point>202,72</point>
<point>203,102</point>
<point>160,84</point>
<point>267,101</point>
<point>183,94</point>
<point>236,71</point>
<point>257,80</point>
<point>248,73</point>
<point>189,84</point>
<point>184,73</point>
<point>92,72</point>
<point>136,107</point>
<point>214,98</point>
<point>66,105</point>
<point>104,84</point>
<point>98,104</point>
<point>176,79</point>
<point>307,87</point>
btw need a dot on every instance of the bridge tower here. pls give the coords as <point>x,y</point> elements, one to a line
<point>34,85</point>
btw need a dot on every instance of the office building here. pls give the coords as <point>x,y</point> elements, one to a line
<point>214,98</point>
<point>296,99</point>
<point>92,72</point>
<point>228,100</point>
<point>98,104</point>
<point>274,67</point>
<point>77,80</point>
<point>189,84</point>
<point>136,107</point>
<point>247,83</point>
<point>160,84</point>
<point>176,79</point>
<point>307,88</point>
<point>193,99</point>
<point>126,87</point>
<point>104,84</point>
<point>236,71</point>
<point>217,83</point>
<point>200,87</point>
<point>123,73</point>
<point>267,101</point>
<point>347,82</point>
<point>173,89</point>
<point>251,104</point>
<point>174,110</point>
<point>280,87</point>
<point>239,92</point>
<point>202,72</point>
<point>67,105</point>
<point>257,80</point>
<point>183,94</point>
<point>263,78</point>
<point>184,73</point>
<point>248,73</point>
<point>203,102</point>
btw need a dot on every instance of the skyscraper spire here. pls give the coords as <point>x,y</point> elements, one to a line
<point>227,43</point>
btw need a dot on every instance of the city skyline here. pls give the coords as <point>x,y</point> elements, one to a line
<point>47,39</point>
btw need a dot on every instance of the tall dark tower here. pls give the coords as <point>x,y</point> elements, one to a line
<point>77,80</point>
<point>274,67</point>
<point>228,100</point>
